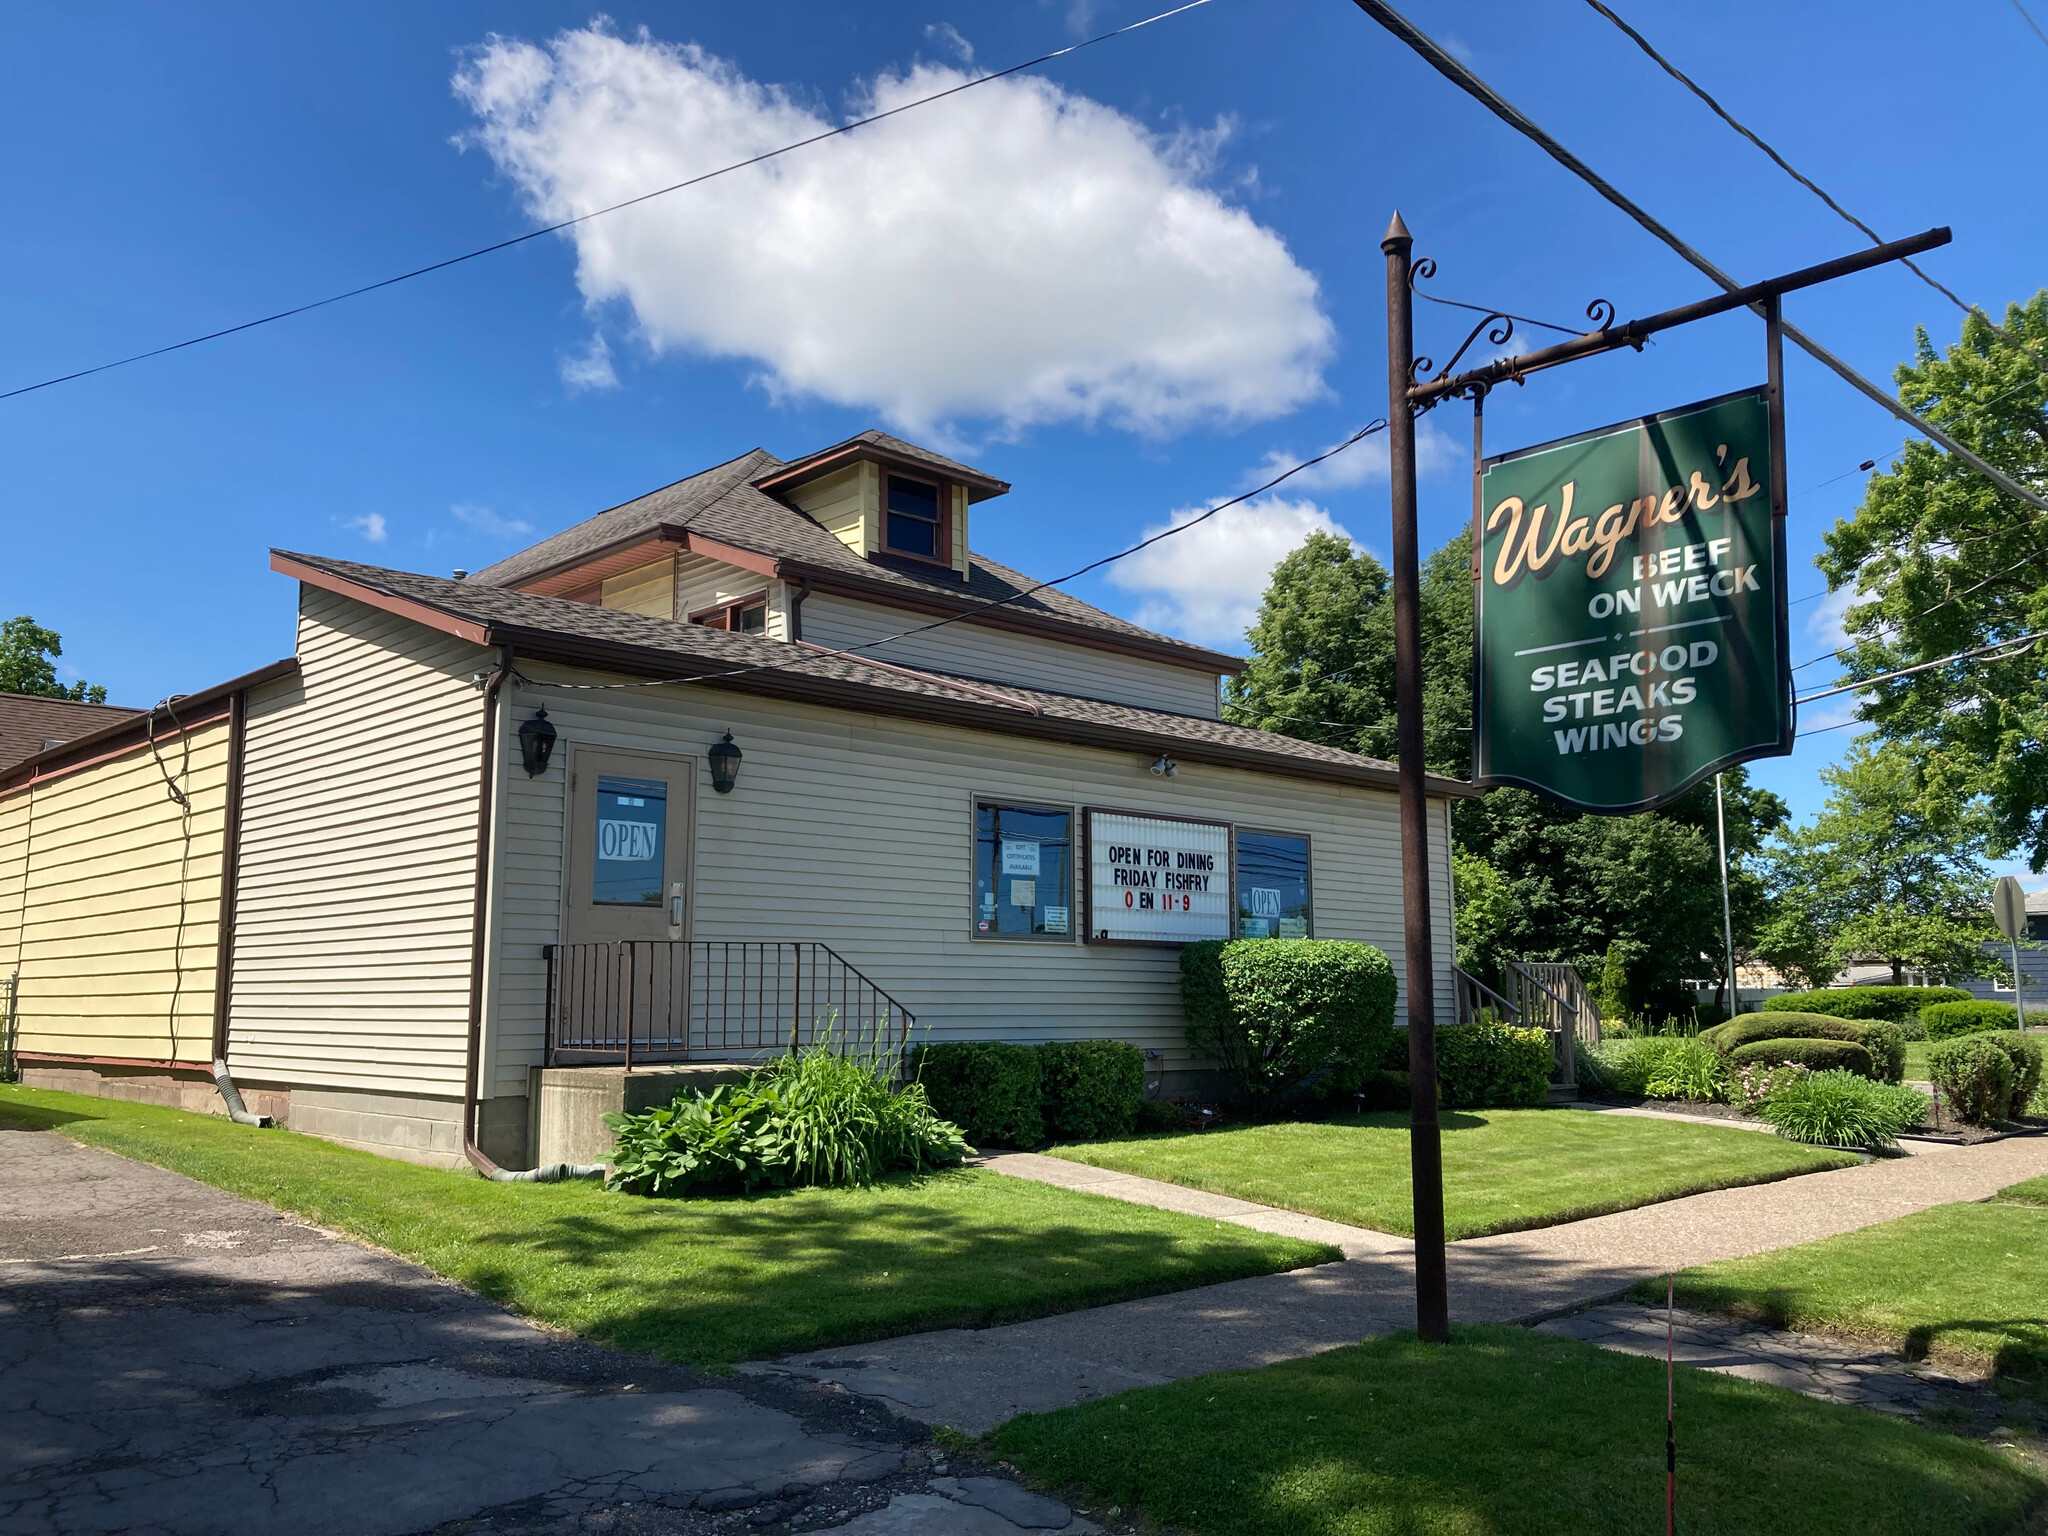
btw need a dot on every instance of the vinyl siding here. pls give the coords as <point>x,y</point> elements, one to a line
<point>857,831</point>
<point>958,554</point>
<point>93,866</point>
<point>648,589</point>
<point>999,655</point>
<point>359,804</point>
<point>702,582</point>
<point>843,504</point>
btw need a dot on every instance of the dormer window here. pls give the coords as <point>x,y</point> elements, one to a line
<point>915,518</point>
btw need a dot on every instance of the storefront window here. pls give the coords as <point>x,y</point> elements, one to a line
<point>632,825</point>
<point>1272,886</point>
<point>1023,872</point>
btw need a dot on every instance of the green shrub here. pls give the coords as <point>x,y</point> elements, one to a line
<point>1681,1067</point>
<point>1975,1077</point>
<point>2025,1054</point>
<point>815,1118</point>
<point>1944,1021</point>
<point>990,1089</point>
<point>1385,1090</point>
<point>1816,1055</point>
<point>1272,1011</point>
<point>1885,1041</point>
<point>1159,1115</point>
<point>1842,1109</point>
<point>1897,1004</point>
<point>1492,1065</point>
<point>1090,1088</point>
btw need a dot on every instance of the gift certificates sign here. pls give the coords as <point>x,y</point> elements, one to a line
<point>1631,608</point>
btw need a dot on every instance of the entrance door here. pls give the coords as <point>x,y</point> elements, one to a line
<point>624,982</point>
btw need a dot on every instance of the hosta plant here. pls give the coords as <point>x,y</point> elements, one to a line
<point>1842,1109</point>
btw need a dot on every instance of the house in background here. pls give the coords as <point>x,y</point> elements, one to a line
<point>31,723</point>
<point>767,752</point>
<point>2033,963</point>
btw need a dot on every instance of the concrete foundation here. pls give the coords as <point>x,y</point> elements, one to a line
<point>570,1103</point>
<point>187,1088</point>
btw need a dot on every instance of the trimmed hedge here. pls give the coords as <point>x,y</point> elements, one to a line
<point>1272,1012</point>
<point>1944,1021</point>
<point>1975,1077</point>
<point>1884,1040</point>
<point>1017,1095</point>
<point>990,1089</point>
<point>1898,1005</point>
<point>1483,1066</point>
<point>2024,1052</point>
<point>1091,1088</point>
<point>1815,1055</point>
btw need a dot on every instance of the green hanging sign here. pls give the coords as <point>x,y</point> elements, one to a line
<point>1631,608</point>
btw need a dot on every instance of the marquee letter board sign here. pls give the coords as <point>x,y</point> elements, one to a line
<point>1157,879</point>
<point>1631,609</point>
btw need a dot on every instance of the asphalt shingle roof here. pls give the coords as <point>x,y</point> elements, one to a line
<point>590,635</point>
<point>27,720</point>
<point>725,504</point>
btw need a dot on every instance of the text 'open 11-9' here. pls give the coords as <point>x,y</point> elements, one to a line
<point>1631,607</point>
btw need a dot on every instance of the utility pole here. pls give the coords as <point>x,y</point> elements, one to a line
<point>1425,1143</point>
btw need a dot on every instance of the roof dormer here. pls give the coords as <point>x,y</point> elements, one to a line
<point>887,500</point>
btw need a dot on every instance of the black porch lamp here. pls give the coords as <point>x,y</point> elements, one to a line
<point>536,744</point>
<point>725,765</point>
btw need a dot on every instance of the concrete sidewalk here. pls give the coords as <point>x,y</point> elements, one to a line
<point>974,1380</point>
<point>180,1362</point>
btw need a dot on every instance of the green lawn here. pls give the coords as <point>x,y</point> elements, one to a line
<point>1504,1169</point>
<point>1916,1061</point>
<point>706,1281</point>
<point>1968,1283</point>
<point>1507,1433</point>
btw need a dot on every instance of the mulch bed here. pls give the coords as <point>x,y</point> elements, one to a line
<point>1945,1131</point>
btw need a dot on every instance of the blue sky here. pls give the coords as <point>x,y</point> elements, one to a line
<point>176,169</point>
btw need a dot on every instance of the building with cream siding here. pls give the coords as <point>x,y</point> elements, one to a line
<point>767,811</point>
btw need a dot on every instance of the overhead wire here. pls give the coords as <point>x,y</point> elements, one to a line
<point>1461,76</point>
<point>598,213</point>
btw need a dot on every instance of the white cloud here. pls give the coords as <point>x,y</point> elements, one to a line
<point>948,36</point>
<point>485,521</point>
<point>1360,463</point>
<point>1015,255</point>
<point>370,525</point>
<point>1209,580</point>
<point>1824,624</point>
<point>590,369</point>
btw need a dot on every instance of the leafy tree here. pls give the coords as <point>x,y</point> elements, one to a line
<point>1942,561</point>
<point>28,655</point>
<point>1534,880</point>
<point>1875,876</point>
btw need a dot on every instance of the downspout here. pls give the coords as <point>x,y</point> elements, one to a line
<point>796,610</point>
<point>486,786</point>
<point>224,943</point>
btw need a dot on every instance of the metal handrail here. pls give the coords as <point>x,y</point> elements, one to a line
<point>634,1001</point>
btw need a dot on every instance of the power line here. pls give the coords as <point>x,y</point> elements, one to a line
<point>1451,69</point>
<point>2029,21</point>
<point>1378,424</point>
<point>2006,648</point>
<point>584,218</point>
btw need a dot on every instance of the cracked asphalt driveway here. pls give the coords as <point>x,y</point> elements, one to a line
<point>175,1361</point>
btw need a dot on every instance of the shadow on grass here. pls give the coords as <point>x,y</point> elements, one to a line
<point>717,1280</point>
<point>35,1117</point>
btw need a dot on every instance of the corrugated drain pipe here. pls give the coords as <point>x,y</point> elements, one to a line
<point>486,784</point>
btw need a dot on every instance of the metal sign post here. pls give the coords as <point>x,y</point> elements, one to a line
<point>2009,909</point>
<point>1409,395</point>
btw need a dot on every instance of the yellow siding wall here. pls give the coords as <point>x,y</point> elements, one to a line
<point>959,554</point>
<point>842,504</point>
<point>92,868</point>
<point>648,589</point>
<point>856,830</point>
<point>359,807</point>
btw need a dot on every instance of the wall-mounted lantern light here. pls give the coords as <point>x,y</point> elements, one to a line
<point>536,744</point>
<point>725,765</point>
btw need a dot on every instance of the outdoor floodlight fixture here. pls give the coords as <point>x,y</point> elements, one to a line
<point>1165,766</point>
<point>725,765</point>
<point>536,744</point>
